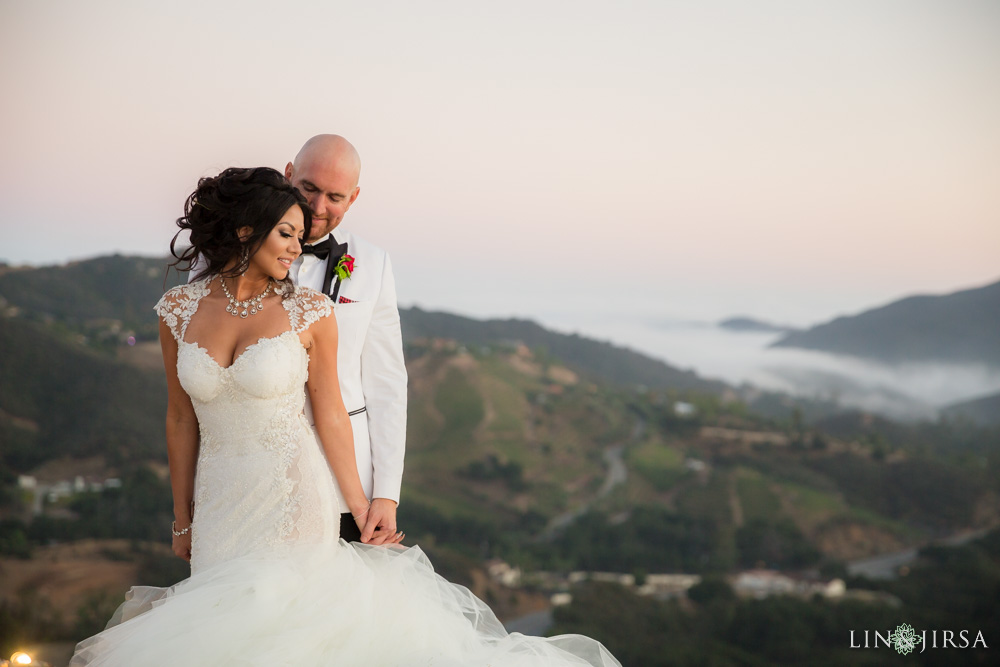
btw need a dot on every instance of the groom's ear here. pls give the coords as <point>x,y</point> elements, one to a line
<point>288,171</point>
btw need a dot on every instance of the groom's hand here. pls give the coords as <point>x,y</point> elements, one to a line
<point>380,529</point>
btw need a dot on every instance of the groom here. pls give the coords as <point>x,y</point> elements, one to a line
<point>357,276</point>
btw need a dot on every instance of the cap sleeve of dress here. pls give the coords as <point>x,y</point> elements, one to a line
<point>306,306</point>
<point>177,306</point>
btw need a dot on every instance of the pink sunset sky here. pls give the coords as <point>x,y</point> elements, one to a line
<point>789,160</point>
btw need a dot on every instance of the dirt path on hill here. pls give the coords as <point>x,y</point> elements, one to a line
<point>735,506</point>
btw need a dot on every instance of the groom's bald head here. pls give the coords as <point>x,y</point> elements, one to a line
<point>332,150</point>
<point>326,170</point>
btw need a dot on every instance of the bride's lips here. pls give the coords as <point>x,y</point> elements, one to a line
<point>287,263</point>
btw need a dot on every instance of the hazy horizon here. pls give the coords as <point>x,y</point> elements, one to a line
<point>562,317</point>
<point>909,391</point>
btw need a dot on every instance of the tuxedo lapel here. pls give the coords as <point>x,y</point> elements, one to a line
<point>330,277</point>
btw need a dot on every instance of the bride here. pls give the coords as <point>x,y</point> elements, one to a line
<point>256,513</point>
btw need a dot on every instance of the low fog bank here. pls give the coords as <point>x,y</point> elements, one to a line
<point>908,391</point>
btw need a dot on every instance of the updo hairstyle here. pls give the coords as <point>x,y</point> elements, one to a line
<point>222,205</point>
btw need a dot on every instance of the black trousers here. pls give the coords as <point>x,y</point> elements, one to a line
<point>349,528</point>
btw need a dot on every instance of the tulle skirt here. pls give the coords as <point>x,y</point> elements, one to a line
<point>336,604</point>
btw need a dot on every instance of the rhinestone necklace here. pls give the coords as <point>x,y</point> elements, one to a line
<point>244,308</point>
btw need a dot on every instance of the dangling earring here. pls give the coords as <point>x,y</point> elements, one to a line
<point>245,260</point>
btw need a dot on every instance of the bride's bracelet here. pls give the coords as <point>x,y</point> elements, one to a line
<point>363,513</point>
<point>178,533</point>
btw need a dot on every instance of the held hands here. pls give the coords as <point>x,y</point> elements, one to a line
<point>378,525</point>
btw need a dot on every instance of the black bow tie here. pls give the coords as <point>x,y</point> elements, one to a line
<point>321,250</point>
<point>331,251</point>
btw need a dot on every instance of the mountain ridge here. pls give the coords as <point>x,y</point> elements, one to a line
<point>959,327</point>
<point>983,410</point>
<point>746,323</point>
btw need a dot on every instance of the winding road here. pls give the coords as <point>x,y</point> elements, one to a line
<point>886,566</point>
<point>617,474</point>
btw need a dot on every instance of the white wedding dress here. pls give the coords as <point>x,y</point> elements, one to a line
<point>271,582</point>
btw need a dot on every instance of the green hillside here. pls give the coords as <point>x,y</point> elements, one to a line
<point>500,445</point>
<point>100,298</point>
<point>59,398</point>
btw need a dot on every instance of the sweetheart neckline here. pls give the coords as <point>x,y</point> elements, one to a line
<point>242,354</point>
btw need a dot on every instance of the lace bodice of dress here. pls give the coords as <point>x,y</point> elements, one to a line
<point>261,477</point>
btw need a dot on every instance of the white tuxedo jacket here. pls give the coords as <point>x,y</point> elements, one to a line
<point>369,361</point>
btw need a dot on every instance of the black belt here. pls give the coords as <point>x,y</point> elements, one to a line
<point>357,412</point>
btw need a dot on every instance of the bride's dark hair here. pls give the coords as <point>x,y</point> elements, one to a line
<point>221,206</point>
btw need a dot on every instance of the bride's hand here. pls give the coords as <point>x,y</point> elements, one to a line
<point>381,536</point>
<point>181,544</point>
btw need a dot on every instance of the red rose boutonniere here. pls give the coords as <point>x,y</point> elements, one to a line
<point>345,267</point>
